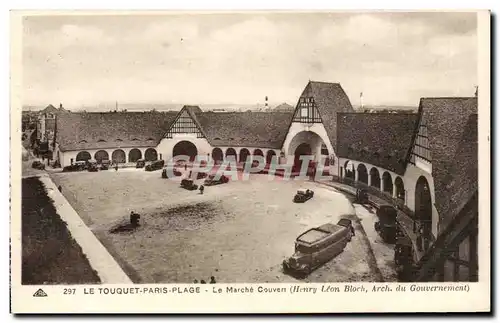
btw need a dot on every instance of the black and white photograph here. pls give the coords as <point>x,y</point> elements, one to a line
<point>284,149</point>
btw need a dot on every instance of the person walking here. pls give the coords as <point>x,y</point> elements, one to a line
<point>202,189</point>
<point>212,280</point>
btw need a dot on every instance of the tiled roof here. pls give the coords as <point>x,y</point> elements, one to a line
<point>78,131</point>
<point>381,139</point>
<point>462,182</point>
<point>330,99</point>
<point>447,118</point>
<point>250,129</point>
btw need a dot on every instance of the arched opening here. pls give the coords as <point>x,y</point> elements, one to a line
<point>258,152</point>
<point>374,178</point>
<point>185,148</point>
<point>83,156</point>
<point>244,153</point>
<point>231,154</point>
<point>362,173</point>
<point>269,156</point>
<point>349,170</point>
<point>134,155</point>
<point>423,211</point>
<point>151,154</point>
<point>305,143</point>
<point>400,188</point>
<point>304,149</point>
<point>217,155</point>
<point>387,179</point>
<point>118,156</point>
<point>101,155</point>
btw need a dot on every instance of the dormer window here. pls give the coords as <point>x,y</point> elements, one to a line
<point>135,139</point>
<point>217,138</point>
<point>119,139</point>
<point>150,138</point>
<point>101,140</point>
<point>83,141</point>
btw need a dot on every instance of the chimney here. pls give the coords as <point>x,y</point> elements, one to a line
<point>477,91</point>
<point>266,103</point>
<point>60,106</point>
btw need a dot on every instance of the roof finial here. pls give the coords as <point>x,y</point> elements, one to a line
<point>477,91</point>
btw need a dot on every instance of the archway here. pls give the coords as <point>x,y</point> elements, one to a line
<point>118,156</point>
<point>185,148</point>
<point>387,180</point>
<point>217,155</point>
<point>349,170</point>
<point>83,156</point>
<point>258,152</point>
<point>151,154</point>
<point>244,153</point>
<point>269,156</point>
<point>305,143</point>
<point>134,155</point>
<point>423,210</point>
<point>362,173</point>
<point>101,155</point>
<point>304,149</point>
<point>400,188</point>
<point>231,154</point>
<point>374,178</point>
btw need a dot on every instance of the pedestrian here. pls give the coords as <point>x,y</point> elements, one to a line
<point>185,166</point>
<point>59,188</point>
<point>202,189</point>
<point>116,167</point>
<point>420,236</point>
<point>196,281</point>
<point>203,281</point>
<point>212,280</point>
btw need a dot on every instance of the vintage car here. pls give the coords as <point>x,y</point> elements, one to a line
<point>92,166</point>
<point>303,195</point>
<point>317,246</point>
<point>105,164</point>
<point>188,184</point>
<point>175,171</point>
<point>155,165</point>
<point>140,163</point>
<point>216,180</point>
<point>38,165</point>
<point>361,196</point>
<point>386,225</point>
<point>76,167</point>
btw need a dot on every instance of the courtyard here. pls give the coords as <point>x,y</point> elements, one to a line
<point>238,232</point>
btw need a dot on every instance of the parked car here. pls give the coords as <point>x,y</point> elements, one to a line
<point>155,165</point>
<point>175,171</point>
<point>386,225</point>
<point>92,166</point>
<point>361,196</point>
<point>188,184</point>
<point>105,164</point>
<point>38,165</point>
<point>317,246</point>
<point>303,195</point>
<point>201,175</point>
<point>213,180</point>
<point>140,163</point>
<point>76,167</point>
<point>345,222</point>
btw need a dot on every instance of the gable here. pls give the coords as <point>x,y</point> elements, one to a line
<point>307,111</point>
<point>184,124</point>
<point>421,153</point>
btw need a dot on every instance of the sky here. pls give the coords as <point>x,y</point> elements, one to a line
<point>393,58</point>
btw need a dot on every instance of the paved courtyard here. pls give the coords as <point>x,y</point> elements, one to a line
<point>237,232</point>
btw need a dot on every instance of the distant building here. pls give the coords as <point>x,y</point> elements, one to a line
<point>284,107</point>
